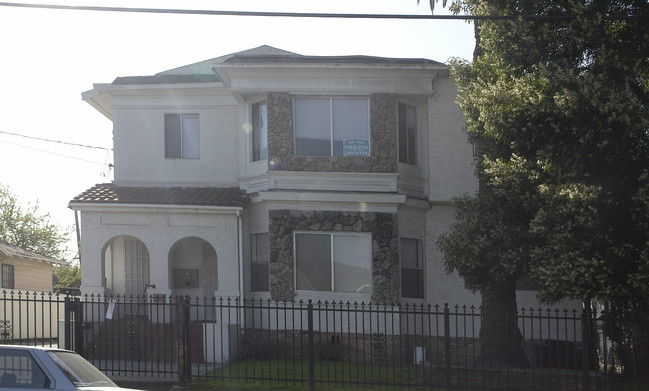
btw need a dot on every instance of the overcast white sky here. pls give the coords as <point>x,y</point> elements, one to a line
<point>49,57</point>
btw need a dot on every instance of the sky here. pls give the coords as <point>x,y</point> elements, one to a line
<point>48,57</point>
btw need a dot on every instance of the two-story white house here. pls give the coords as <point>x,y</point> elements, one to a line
<point>270,174</point>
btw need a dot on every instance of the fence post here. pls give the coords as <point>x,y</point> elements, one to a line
<point>585,340</point>
<point>311,346</point>
<point>73,324</point>
<point>78,327</point>
<point>447,345</point>
<point>67,324</point>
<point>184,359</point>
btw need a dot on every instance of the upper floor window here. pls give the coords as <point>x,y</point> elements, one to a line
<point>333,262</point>
<point>181,136</point>
<point>7,276</point>
<point>332,126</point>
<point>259,132</point>
<point>412,268</point>
<point>407,134</point>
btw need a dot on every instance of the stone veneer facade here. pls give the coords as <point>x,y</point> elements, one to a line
<point>383,139</point>
<point>385,247</point>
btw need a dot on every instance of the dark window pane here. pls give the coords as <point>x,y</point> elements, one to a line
<point>259,277</point>
<point>259,132</point>
<point>407,134</point>
<point>350,121</point>
<point>172,136</point>
<point>8,276</point>
<point>313,262</point>
<point>412,283</point>
<point>403,134</point>
<point>312,127</point>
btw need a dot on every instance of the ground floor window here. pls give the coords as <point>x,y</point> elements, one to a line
<point>259,262</point>
<point>333,262</point>
<point>412,268</point>
<point>7,276</point>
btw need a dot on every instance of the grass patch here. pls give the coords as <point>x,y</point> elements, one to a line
<point>252,375</point>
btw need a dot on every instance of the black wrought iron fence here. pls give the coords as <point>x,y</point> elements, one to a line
<point>315,345</point>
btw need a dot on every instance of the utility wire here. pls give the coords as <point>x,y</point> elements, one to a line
<point>55,141</point>
<point>312,14</point>
<point>53,153</point>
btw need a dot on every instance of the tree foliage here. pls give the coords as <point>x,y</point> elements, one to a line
<point>559,110</point>
<point>24,226</point>
<point>68,278</point>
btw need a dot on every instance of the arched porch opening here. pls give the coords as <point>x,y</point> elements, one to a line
<point>125,266</point>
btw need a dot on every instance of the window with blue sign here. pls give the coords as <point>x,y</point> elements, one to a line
<point>332,126</point>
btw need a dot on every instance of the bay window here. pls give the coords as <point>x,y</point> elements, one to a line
<point>407,134</point>
<point>332,126</point>
<point>333,262</point>
<point>259,132</point>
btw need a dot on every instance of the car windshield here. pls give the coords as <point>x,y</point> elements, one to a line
<point>80,371</point>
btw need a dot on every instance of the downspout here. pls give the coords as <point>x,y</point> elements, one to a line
<point>76,224</point>
<point>241,295</point>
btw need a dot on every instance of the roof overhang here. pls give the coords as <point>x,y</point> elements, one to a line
<point>343,78</point>
<point>153,208</point>
<point>15,252</point>
<point>103,96</point>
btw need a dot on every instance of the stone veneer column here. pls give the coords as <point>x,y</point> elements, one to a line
<point>385,247</point>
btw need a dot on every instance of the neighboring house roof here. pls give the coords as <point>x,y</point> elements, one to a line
<point>108,193</point>
<point>8,250</point>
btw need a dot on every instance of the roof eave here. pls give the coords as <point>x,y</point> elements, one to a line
<point>117,207</point>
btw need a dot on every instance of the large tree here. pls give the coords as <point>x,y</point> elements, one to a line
<point>559,110</point>
<point>23,225</point>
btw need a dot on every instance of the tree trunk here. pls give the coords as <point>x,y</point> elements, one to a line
<point>500,338</point>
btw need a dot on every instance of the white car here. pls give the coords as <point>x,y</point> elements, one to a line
<point>37,368</point>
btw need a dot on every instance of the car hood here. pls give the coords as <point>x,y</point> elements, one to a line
<point>106,389</point>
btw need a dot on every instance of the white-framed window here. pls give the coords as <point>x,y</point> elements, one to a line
<point>332,126</point>
<point>182,136</point>
<point>412,268</point>
<point>7,276</point>
<point>259,257</point>
<point>407,134</point>
<point>259,132</point>
<point>333,262</point>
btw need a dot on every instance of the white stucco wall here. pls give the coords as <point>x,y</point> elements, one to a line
<point>138,131</point>
<point>450,154</point>
<point>159,230</point>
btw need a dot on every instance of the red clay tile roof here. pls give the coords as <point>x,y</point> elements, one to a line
<point>108,193</point>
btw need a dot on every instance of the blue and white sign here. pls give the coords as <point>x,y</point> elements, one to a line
<point>356,147</point>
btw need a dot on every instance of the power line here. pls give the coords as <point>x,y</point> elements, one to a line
<point>313,14</point>
<point>55,141</point>
<point>52,153</point>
